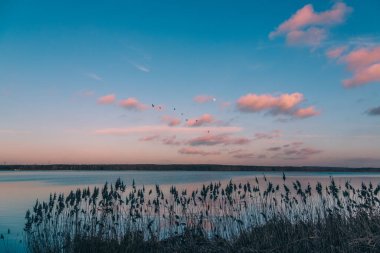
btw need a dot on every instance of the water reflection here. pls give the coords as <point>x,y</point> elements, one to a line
<point>20,189</point>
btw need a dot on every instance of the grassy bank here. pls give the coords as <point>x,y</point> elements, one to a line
<point>257,216</point>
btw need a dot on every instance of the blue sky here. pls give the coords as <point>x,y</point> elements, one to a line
<point>57,59</point>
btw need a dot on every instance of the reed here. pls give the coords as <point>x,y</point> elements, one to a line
<point>257,216</point>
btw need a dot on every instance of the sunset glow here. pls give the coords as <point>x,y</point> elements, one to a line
<point>250,82</point>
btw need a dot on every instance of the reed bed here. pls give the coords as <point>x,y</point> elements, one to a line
<point>257,216</point>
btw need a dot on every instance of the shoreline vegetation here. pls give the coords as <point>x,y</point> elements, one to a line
<point>184,167</point>
<point>256,216</point>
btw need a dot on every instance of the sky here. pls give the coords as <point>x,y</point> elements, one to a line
<point>222,82</point>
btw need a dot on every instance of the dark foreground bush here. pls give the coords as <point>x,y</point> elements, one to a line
<point>357,235</point>
<point>251,217</point>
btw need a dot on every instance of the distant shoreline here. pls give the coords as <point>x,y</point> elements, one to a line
<point>182,167</point>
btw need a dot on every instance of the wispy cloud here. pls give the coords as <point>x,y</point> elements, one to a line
<point>133,104</point>
<point>307,27</point>
<point>171,121</point>
<point>141,67</point>
<point>335,52</point>
<point>272,149</point>
<point>224,139</point>
<point>150,138</point>
<point>205,119</point>
<point>196,151</point>
<point>202,99</point>
<point>171,140</point>
<point>244,155</point>
<point>374,111</point>
<point>268,136</point>
<point>158,129</point>
<point>295,151</point>
<point>107,99</point>
<point>94,76</point>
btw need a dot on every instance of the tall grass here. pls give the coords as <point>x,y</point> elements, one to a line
<point>257,216</point>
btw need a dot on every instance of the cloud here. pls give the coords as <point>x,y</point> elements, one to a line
<point>362,58</point>
<point>107,99</point>
<point>141,67</point>
<point>171,121</point>
<point>267,136</point>
<point>224,105</point>
<point>301,153</point>
<point>235,151</point>
<point>158,129</point>
<point>94,76</point>
<point>172,140</point>
<point>306,112</point>
<point>374,111</point>
<point>309,27</point>
<point>312,37</point>
<point>201,99</point>
<point>336,52</point>
<point>362,62</point>
<point>363,76</point>
<point>274,149</point>
<point>295,151</point>
<point>150,138</point>
<point>224,139</point>
<point>202,120</point>
<point>195,151</point>
<point>133,104</point>
<point>286,104</point>
<point>244,155</point>
<point>255,103</point>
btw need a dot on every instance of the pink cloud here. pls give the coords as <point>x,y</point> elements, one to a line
<point>284,104</point>
<point>256,103</point>
<point>335,52</point>
<point>133,104</point>
<point>235,151</point>
<point>296,151</point>
<point>201,99</point>
<point>172,140</point>
<point>306,112</point>
<point>362,58</point>
<point>195,151</point>
<point>363,63</point>
<point>309,27</point>
<point>159,129</point>
<point>150,138</point>
<point>241,154</point>
<point>202,120</point>
<point>271,135</point>
<point>246,155</point>
<point>312,37</point>
<point>106,100</point>
<point>364,76</point>
<point>274,149</point>
<point>171,121</point>
<point>224,139</point>
<point>225,104</point>
<point>301,153</point>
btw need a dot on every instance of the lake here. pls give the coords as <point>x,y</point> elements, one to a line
<point>20,189</point>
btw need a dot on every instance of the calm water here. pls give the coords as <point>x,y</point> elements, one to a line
<point>20,189</point>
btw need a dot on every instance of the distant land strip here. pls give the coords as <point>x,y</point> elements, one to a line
<point>184,167</point>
